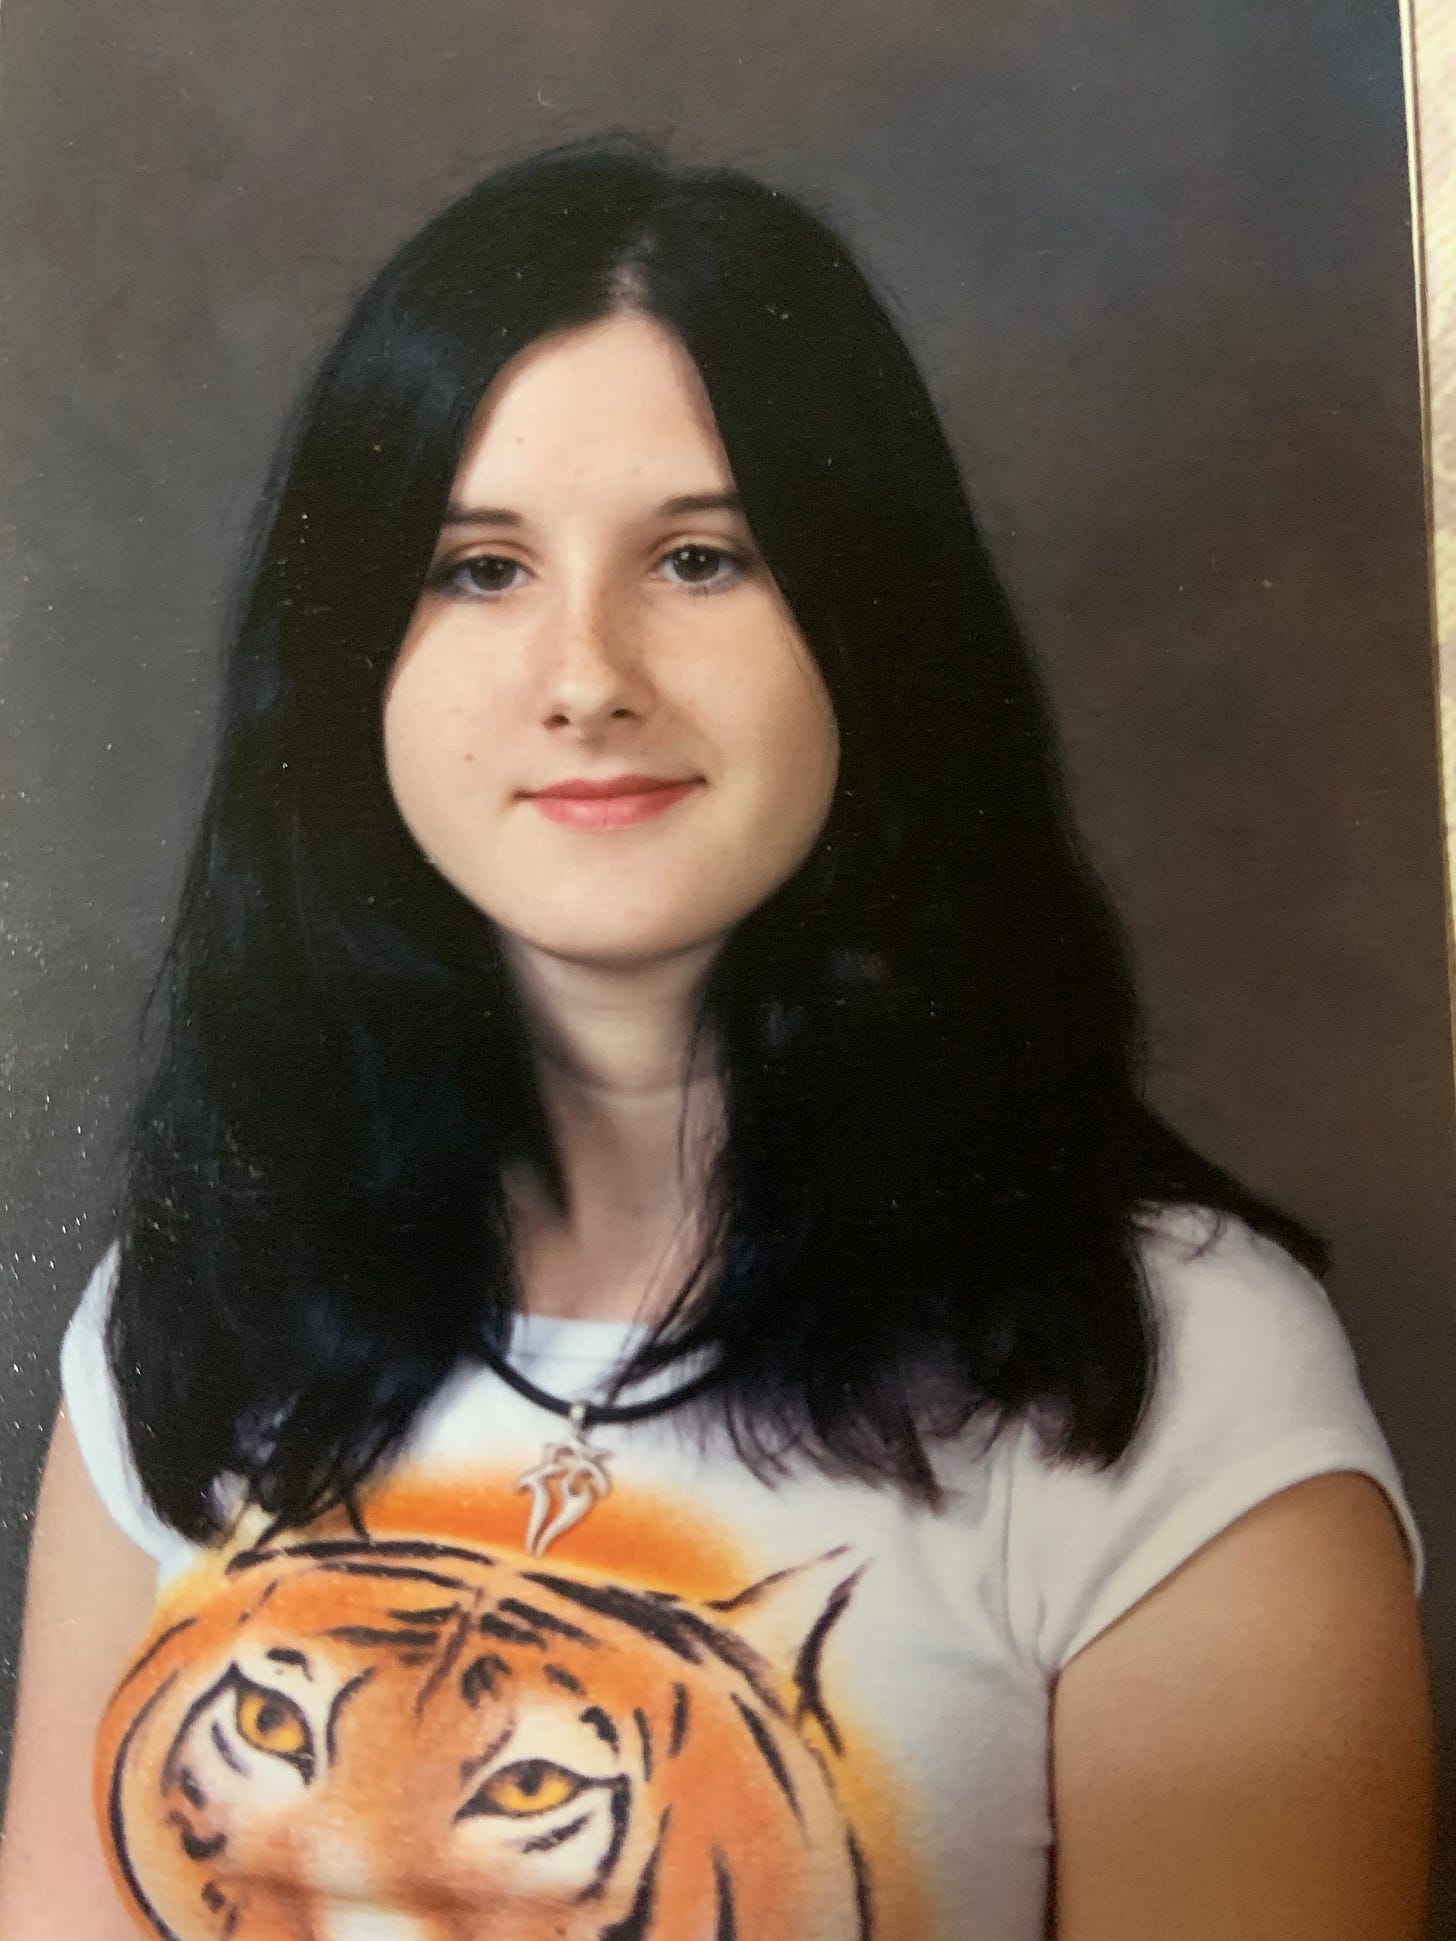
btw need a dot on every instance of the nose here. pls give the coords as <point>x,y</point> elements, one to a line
<point>346,1922</point>
<point>595,672</point>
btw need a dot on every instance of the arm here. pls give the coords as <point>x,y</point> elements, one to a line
<point>1245,1756</point>
<point>89,1596</point>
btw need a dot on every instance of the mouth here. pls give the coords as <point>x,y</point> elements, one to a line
<point>610,804</point>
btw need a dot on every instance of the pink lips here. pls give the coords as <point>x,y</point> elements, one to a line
<point>609,805</point>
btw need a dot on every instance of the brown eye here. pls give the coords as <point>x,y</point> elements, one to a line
<point>269,1722</point>
<point>482,577</point>
<point>530,1786</point>
<point>703,569</point>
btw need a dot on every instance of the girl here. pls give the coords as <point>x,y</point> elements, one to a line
<point>657,1377</point>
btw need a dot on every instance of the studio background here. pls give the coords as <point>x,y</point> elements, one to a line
<point>1155,259</point>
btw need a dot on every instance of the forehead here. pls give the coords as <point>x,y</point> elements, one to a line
<point>415,1596</point>
<point>469,1626</point>
<point>617,402</point>
<point>318,1584</point>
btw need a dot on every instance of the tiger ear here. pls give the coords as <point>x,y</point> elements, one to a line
<point>787,1617</point>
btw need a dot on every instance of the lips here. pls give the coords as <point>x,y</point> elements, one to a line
<point>610,804</point>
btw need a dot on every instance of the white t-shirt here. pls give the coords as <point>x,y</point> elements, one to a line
<point>710,1707</point>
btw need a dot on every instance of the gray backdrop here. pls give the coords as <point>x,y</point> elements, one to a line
<point>1155,256</point>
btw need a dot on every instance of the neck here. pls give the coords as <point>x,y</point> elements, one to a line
<point>635,1126</point>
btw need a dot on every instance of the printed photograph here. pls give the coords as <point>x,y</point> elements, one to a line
<point>732,1114</point>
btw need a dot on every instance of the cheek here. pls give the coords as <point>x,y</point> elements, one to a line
<point>795,731</point>
<point>756,689</point>
<point>435,756</point>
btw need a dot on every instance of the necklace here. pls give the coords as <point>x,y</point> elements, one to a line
<point>571,1477</point>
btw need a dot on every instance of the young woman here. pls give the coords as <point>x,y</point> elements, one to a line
<point>657,1377</point>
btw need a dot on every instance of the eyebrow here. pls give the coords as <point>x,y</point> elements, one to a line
<point>497,515</point>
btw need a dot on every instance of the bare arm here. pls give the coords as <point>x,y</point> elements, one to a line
<point>1245,1756</point>
<point>89,1596</point>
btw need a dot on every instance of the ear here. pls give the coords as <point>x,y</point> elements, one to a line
<point>788,1616</point>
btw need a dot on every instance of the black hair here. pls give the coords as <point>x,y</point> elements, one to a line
<point>937,1160</point>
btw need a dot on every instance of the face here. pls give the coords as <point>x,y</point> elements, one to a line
<point>603,726</point>
<point>428,1741</point>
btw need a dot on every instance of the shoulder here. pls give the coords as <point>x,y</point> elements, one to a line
<point>86,1381</point>
<point>1249,1343</point>
<point>1185,1250</point>
<point>93,1407</point>
<point>1245,1743</point>
<point>1255,1389</point>
<point>1242,1327</point>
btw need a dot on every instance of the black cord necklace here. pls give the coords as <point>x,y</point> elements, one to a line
<point>571,1477</point>
<point>594,1412</point>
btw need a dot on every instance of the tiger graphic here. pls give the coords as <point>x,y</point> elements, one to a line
<point>410,1740</point>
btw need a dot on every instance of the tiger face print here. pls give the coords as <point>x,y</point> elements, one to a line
<point>402,1740</point>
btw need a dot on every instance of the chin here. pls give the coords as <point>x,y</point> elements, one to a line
<point>616,945</point>
<point>622,953</point>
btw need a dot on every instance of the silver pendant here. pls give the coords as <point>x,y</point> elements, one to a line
<point>568,1482</point>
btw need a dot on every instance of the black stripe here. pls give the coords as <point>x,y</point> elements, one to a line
<point>408,1573</point>
<point>764,1741</point>
<point>482,1676</point>
<point>621,1811</point>
<point>376,1634</point>
<point>644,1733</point>
<point>195,1845</point>
<point>861,1890</point>
<point>448,1658</point>
<point>544,1842</point>
<point>564,1679</point>
<point>544,1621</point>
<point>281,1655</point>
<point>114,1819</point>
<point>267,1591</point>
<point>225,1751</point>
<point>328,1548</point>
<point>344,1692</point>
<point>147,1656</point>
<point>633,1925</point>
<point>597,1719</point>
<point>736,1653</point>
<point>194,1712</point>
<point>491,1626</point>
<point>661,1622</point>
<point>727,1926</point>
<point>806,1667</point>
<point>679,1730</point>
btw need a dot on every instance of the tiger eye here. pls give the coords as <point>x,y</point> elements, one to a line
<point>269,1722</point>
<point>530,1786</point>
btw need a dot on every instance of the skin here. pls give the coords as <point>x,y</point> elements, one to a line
<point>572,626</point>
<point>576,626</point>
<point>54,1885</point>
<point>1245,1755</point>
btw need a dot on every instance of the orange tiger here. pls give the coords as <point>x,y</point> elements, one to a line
<point>404,1740</point>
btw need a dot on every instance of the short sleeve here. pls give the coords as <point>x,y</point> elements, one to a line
<point>94,1410</point>
<point>1257,1390</point>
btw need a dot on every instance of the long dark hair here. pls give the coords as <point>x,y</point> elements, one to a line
<point>927,1203</point>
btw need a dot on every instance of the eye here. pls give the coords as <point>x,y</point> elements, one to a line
<point>703,569</point>
<point>269,1722</point>
<point>529,1787</point>
<point>482,577</point>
